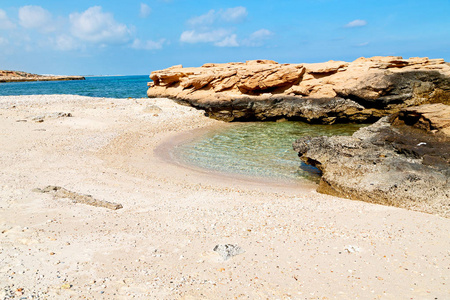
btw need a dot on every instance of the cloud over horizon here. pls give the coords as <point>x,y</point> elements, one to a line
<point>91,28</point>
<point>214,27</point>
<point>95,27</point>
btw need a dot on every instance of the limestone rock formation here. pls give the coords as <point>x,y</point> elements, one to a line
<point>336,91</point>
<point>402,160</point>
<point>18,76</point>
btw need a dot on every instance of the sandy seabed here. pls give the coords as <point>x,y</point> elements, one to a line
<point>297,244</point>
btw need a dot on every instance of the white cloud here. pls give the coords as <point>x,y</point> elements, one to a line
<point>229,41</point>
<point>205,19</point>
<point>3,41</point>
<point>192,36</point>
<point>96,26</point>
<point>230,15</point>
<point>356,23</point>
<point>66,43</point>
<point>362,44</point>
<point>32,16</point>
<point>257,38</point>
<point>261,34</point>
<point>219,37</point>
<point>148,45</point>
<point>205,27</point>
<point>77,31</point>
<point>145,11</point>
<point>236,14</point>
<point>5,22</point>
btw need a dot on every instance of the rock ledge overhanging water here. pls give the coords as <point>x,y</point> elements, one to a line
<point>360,91</point>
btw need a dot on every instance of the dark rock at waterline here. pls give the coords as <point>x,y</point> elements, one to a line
<point>402,160</point>
<point>311,110</point>
<point>335,91</point>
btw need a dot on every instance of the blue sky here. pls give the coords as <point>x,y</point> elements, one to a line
<point>106,37</point>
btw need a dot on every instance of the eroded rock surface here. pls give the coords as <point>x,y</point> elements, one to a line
<point>19,76</point>
<point>336,91</point>
<point>402,160</point>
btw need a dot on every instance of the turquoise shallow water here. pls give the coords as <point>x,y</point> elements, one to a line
<point>102,86</point>
<point>261,149</point>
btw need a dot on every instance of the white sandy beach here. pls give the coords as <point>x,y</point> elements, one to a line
<point>298,244</point>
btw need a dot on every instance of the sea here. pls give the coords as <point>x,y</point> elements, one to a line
<point>134,86</point>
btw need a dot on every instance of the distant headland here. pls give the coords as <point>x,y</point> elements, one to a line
<point>19,76</point>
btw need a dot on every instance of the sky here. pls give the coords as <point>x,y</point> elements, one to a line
<point>110,37</point>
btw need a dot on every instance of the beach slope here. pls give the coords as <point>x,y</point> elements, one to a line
<point>271,241</point>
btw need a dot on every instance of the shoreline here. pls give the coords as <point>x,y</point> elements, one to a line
<point>43,78</point>
<point>297,243</point>
<point>165,151</point>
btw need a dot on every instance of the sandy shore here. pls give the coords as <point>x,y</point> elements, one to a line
<point>298,244</point>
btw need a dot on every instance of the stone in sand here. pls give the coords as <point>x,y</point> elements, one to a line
<point>227,251</point>
<point>152,109</point>
<point>55,115</point>
<point>61,192</point>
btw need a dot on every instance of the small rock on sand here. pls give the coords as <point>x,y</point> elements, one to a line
<point>152,109</point>
<point>227,251</point>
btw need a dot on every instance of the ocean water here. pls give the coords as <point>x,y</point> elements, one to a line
<point>258,149</point>
<point>98,86</point>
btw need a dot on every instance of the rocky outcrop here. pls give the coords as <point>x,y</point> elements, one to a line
<point>335,91</point>
<point>18,76</point>
<point>402,160</point>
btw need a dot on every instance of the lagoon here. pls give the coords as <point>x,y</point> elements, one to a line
<point>257,149</point>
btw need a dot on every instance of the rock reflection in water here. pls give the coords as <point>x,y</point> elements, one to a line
<point>260,149</point>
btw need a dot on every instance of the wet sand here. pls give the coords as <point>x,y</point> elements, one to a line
<point>297,244</point>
